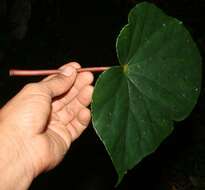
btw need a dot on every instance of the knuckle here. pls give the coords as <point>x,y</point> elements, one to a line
<point>31,87</point>
<point>35,88</point>
<point>86,95</point>
<point>85,116</point>
<point>91,77</point>
<point>75,64</point>
<point>83,100</point>
<point>88,113</point>
<point>87,77</point>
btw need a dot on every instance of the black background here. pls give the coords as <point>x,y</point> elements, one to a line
<point>37,34</point>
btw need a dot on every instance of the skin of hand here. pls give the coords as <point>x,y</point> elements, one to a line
<point>38,125</point>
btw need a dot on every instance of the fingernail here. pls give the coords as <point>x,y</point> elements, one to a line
<point>68,71</point>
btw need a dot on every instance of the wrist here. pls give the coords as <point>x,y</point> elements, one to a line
<point>17,173</point>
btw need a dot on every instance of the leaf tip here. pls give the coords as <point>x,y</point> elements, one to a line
<point>120,178</point>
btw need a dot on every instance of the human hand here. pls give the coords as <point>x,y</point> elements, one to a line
<point>40,122</point>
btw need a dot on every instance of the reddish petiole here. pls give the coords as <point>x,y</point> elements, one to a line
<point>17,72</point>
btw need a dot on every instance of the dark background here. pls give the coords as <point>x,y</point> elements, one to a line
<point>36,34</point>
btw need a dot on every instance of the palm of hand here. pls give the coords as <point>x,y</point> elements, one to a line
<point>67,120</point>
<point>69,116</point>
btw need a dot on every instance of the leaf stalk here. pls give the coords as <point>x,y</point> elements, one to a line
<point>19,72</point>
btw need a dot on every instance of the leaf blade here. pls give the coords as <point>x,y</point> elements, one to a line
<point>157,83</point>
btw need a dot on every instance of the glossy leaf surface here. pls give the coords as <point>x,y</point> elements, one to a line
<point>158,82</point>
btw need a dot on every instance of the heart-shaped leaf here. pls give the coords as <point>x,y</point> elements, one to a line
<point>158,82</point>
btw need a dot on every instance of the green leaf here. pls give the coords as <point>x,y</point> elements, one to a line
<point>158,82</point>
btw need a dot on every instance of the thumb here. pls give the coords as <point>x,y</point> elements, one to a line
<point>60,83</point>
